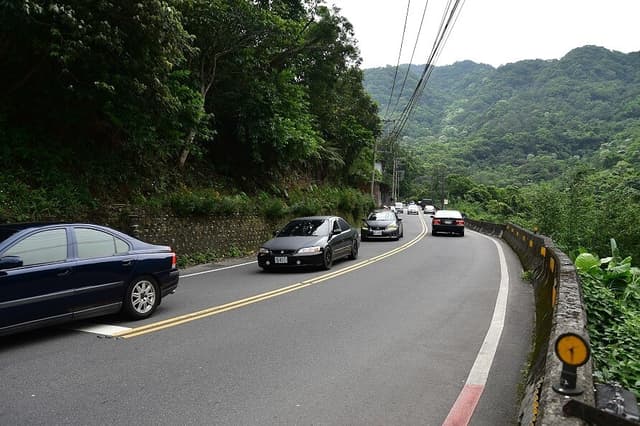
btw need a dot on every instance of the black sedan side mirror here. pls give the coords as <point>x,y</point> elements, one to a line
<point>10,262</point>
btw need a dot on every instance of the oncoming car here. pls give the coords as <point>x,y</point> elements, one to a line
<point>449,221</point>
<point>310,241</point>
<point>381,224</point>
<point>55,273</point>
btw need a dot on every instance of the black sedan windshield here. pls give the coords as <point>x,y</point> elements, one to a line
<point>305,228</point>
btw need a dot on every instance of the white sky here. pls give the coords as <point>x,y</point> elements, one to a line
<point>492,32</point>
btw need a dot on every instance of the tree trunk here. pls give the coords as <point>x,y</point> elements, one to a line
<point>187,147</point>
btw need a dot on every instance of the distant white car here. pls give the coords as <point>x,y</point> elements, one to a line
<point>430,210</point>
<point>413,209</point>
<point>399,208</point>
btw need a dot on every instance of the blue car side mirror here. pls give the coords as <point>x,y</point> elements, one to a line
<point>10,262</point>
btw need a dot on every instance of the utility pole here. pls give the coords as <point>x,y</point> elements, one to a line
<point>397,177</point>
<point>373,170</point>
<point>443,174</point>
<point>373,166</point>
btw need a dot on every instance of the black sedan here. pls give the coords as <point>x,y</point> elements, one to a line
<point>381,224</point>
<point>310,241</point>
<point>55,273</point>
<point>449,221</point>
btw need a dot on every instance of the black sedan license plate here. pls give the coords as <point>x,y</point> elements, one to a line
<point>280,259</point>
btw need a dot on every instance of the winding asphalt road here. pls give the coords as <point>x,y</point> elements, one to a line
<point>423,331</point>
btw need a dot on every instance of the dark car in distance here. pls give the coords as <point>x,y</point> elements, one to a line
<point>310,241</point>
<point>381,224</point>
<point>55,273</point>
<point>447,221</point>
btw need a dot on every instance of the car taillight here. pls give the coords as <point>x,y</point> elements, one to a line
<point>435,222</point>
<point>174,260</point>
<point>460,222</point>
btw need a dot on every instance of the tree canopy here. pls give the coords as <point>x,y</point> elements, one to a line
<point>141,96</point>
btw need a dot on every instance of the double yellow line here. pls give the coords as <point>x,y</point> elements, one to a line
<point>182,319</point>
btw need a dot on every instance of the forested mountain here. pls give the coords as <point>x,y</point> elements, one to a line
<point>521,122</point>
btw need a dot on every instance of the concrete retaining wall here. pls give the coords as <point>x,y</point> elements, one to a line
<point>559,310</point>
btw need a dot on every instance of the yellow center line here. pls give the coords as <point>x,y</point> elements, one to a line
<point>214,310</point>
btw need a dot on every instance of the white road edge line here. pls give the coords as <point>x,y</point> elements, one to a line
<point>218,269</point>
<point>480,370</point>
<point>465,405</point>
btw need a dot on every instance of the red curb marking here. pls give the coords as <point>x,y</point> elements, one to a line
<point>464,406</point>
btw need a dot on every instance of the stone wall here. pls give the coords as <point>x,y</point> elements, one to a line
<point>191,235</point>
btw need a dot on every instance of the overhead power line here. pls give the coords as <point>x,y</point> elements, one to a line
<point>413,52</point>
<point>395,76</point>
<point>448,20</point>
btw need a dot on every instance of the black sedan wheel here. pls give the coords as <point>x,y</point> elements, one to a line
<point>354,250</point>
<point>142,298</point>
<point>327,259</point>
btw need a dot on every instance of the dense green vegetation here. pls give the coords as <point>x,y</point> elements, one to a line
<point>119,101</point>
<point>611,288</point>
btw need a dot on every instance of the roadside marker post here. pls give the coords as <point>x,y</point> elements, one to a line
<point>574,352</point>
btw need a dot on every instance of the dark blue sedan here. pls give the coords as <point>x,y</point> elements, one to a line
<point>55,273</point>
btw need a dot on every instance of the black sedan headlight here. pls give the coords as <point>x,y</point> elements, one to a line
<point>309,250</point>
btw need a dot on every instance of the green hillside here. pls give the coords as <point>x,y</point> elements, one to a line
<point>529,118</point>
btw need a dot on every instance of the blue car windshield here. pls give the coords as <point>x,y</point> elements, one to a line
<point>305,228</point>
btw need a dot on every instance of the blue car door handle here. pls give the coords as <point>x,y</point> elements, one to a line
<point>63,272</point>
<point>127,262</point>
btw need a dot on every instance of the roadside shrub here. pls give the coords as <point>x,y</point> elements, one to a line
<point>20,202</point>
<point>306,208</point>
<point>350,203</point>
<point>271,208</point>
<point>206,202</point>
<point>611,289</point>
